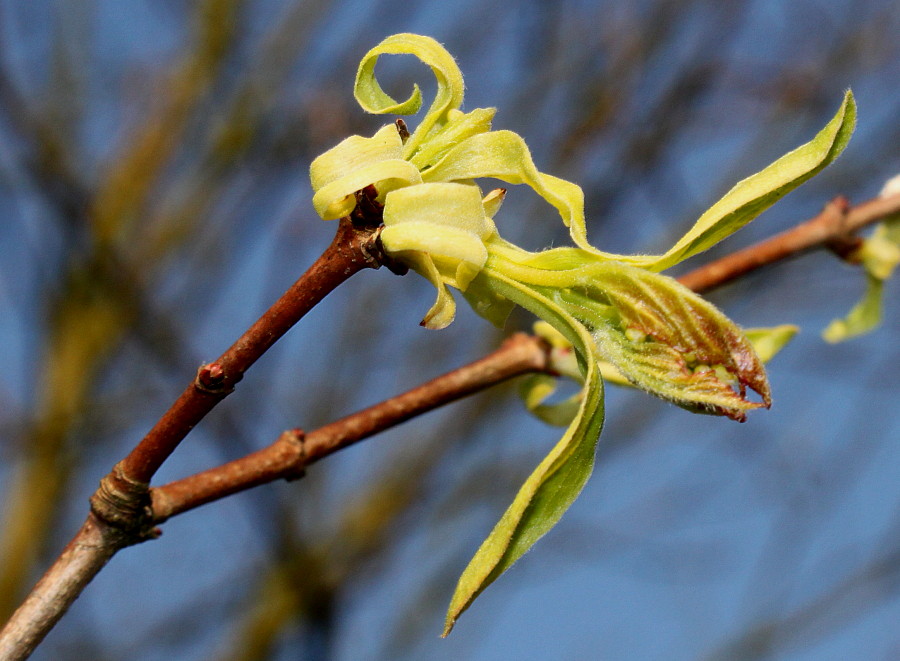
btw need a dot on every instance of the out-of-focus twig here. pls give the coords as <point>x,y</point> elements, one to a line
<point>837,607</point>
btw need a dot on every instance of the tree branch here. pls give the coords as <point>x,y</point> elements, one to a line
<point>120,509</point>
<point>833,228</point>
<point>352,250</point>
<point>76,566</point>
<point>292,452</point>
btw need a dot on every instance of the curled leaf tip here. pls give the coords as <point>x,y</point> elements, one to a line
<point>450,88</point>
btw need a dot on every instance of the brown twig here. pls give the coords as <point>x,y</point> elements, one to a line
<point>831,228</point>
<point>352,250</point>
<point>292,452</point>
<point>120,512</point>
<point>82,559</point>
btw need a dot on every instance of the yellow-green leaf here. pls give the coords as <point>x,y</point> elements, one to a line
<point>459,127</point>
<point>862,318</point>
<point>660,335</point>
<point>443,310</point>
<point>504,155</point>
<point>667,340</point>
<point>767,342</point>
<point>536,389</point>
<point>879,256</point>
<point>756,193</point>
<point>450,87</point>
<point>355,163</point>
<point>556,482</point>
<point>446,221</point>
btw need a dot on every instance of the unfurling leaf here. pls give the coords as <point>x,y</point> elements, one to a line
<point>354,164</point>
<point>450,87</point>
<point>667,340</point>
<point>767,342</point>
<point>749,197</point>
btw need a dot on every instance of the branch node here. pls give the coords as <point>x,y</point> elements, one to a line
<point>211,379</point>
<point>394,266</point>
<point>124,503</point>
<point>843,242</point>
<point>369,212</point>
<point>296,438</point>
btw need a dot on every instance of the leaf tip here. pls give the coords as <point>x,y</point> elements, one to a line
<point>448,626</point>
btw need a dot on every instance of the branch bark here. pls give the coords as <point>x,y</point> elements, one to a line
<point>352,250</point>
<point>835,228</point>
<point>293,451</point>
<point>120,509</point>
<point>82,559</point>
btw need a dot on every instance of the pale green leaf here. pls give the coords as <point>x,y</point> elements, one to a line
<point>660,335</point>
<point>450,87</point>
<point>879,256</point>
<point>353,153</point>
<point>862,318</point>
<point>439,205</point>
<point>443,310</point>
<point>667,340</point>
<point>445,223</point>
<point>536,389</point>
<point>337,199</point>
<point>880,253</point>
<point>556,482</point>
<point>767,342</point>
<point>504,155</point>
<point>488,304</point>
<point>458,128</point>
<point>756,193</point>
<point>355,163</point>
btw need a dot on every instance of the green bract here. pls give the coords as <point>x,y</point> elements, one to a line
<point>604,313</point>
